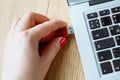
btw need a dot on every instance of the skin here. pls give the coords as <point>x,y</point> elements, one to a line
<point>22,58</point>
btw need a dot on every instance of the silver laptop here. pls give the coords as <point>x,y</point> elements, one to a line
<point>96,25</point>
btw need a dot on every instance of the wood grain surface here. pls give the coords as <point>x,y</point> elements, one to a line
<point>67,64</point>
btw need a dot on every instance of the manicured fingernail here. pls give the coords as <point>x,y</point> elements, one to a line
<point>63,42</point>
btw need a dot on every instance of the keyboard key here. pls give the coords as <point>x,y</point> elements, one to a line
<point>116,52</point>
<point>104,12</point>
<point>106,68</point>
<point>115,10</point>
<point>105,43</point>
<point>104,55</point>
<point>101,33</point>
<point>116,64</point>
<point>106,21</point>
<point>94,24</point>
<point>118,40</point>
<point>115,30</point>
<point>116,18</point>
<point>92,15</point>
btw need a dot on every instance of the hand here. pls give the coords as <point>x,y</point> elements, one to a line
<point>25,57</point>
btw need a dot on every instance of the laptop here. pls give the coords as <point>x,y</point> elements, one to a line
<point>96,25</point>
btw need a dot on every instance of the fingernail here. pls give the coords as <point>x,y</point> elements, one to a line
<point>63,42</point>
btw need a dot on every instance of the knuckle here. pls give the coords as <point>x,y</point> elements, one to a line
<point>29,14</point>
<point>55,22</point>
<point>51,23</point>
<point>60,23</point>
<point>26,36</point>
<point>48,24</point>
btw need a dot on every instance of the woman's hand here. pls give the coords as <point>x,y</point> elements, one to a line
<point>25,57</point>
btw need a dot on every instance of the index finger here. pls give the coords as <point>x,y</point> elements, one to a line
<point>42,30</point>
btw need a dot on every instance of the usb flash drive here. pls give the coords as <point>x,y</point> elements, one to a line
<point>70,30</point>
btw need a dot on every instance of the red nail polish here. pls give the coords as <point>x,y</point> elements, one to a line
<point>63,41</point>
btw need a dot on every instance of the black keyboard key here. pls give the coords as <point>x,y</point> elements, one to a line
<point>115,10</point>
<point>101,33</point>
<point>116,52</point>
<point>116,64</point>
<point>105,43</point>
<point>115,30</point>
<point>104,12</point>
<point>116,18</point>
<point>118,40</point>
<point>94,24</point>
<point>92,15</point>
<point>106,68</point>
<point>106,21</point>
<point>104,55</point>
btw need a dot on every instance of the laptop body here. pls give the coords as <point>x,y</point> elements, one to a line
<point>96,25</point>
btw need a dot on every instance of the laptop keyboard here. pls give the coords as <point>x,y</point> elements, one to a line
<point>104,28</point>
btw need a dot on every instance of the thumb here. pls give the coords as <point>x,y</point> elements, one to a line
<point>51,51</point>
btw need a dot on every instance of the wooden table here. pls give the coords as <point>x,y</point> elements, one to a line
<point>67,64</point>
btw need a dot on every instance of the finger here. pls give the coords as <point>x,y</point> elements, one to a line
<point>51,51</point>
<point>58,33</point>
<point>43,30</point>
<point>14,23</point>
<point>29,20</point>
